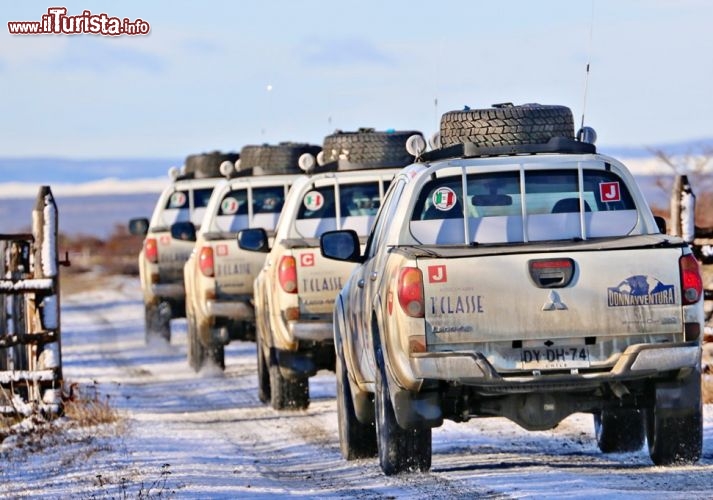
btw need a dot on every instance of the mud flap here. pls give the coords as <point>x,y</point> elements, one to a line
<point>417,411</point>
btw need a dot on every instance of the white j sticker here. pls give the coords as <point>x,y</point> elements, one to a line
<point>178,199</point>
<point>229,206</point>
<point>313,200</point>
<point>444,198</point>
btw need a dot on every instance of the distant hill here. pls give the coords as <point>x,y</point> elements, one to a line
<point>62,170</point>
<point>644,151</point>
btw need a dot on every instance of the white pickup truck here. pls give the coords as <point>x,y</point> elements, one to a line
<point>295,290</point>
<point>523,281</point>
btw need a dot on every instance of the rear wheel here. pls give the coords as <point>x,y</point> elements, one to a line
<point>399,449</point>
<point>158,321</point>
<point>288,394</point>
<point>356,440</point>
<point>675,436</point>
<point>216,354</point>
<point>263,373</point>
<point>619,431</point>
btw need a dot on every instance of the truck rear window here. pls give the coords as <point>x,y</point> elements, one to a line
<point>358,205</point>
<point>554,207</point>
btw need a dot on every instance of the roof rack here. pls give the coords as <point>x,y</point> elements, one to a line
<point>562,145</point>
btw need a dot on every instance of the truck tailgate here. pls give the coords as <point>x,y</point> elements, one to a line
<point>492,298</point>
<point>319,280</point>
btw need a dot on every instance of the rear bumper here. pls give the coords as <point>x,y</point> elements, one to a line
<point>317,331</point>
<point>233,309</point>
<point>637,361</point>
<point>168,290</point>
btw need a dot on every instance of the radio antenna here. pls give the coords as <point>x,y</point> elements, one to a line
<point>589,57</point>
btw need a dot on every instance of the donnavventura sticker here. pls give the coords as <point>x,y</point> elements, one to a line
<point>444,198</point>
<point>640,290</point>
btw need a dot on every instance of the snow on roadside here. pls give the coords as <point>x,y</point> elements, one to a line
<point>206,435</point>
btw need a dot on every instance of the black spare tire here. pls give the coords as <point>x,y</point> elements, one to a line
<point>368,149</point>
<point>506,125</point>
<point>208,164</point>
<point>269,159</point>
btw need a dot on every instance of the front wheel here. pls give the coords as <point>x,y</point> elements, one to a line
<point>196,354</point>
<point>263,373</point>
<point>399,449</point>
<point>619,430</point>
<point>356,440</point>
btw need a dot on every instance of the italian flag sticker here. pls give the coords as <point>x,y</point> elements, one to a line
<point>444,198</point>
<point>313,200</point>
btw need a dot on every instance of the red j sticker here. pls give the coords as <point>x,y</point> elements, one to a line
<point>609,191</point>
<point>437,274</point>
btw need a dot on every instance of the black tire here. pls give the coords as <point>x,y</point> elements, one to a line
<point>675,437</point>
<point>356,440</point>
<point>158,322</point>
<point>263,373</point>
<point>619,431</point>
<point>288,394</point>
<point>208,164</point>
<point>196,354</point>
<point>506,125</point>
<point>216,354</point>
<point>269,159</point>
<point>399,449</point>
<point>368,149</point>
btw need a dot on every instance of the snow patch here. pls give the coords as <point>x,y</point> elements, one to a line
<point>49,312</point>
<point>49,357</point>
<point>31,284</point>
<point>49,244</point>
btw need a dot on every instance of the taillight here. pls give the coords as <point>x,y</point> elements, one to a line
<point>151,250</point>
<point>410,292</point>
<point>205,262</point>
<point>287,274</point>
<point>691,280</point>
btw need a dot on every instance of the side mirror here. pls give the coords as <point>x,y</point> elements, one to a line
<point>341,245</point>
<point>139,227</point>
<point>661,223</point>
<point>253,240</point>
<point>184,231</point>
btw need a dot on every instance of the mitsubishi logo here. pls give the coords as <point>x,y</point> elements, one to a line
<point>554,302</point>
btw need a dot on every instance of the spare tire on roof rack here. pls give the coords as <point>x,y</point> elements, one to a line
<point>506,124</point>
<point>367,149</point>
<point>282,158</point>
<point>208,164</point>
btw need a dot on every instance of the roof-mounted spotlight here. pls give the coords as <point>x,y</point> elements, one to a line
<point>227,168</point>
<point>587,134</point>
<point>307,162</point>
<point>173,173</point>
<point>416,145</point>
<point>320,158</point>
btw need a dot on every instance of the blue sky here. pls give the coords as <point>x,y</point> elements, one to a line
<point>199,81</point>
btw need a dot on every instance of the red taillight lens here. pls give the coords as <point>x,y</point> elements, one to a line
<point>287,274</point>
<point>410,292</point>
<point>151,250</point>
<point>691,280</point>
<point>205,262</point>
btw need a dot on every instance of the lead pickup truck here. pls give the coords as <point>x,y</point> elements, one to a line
<point>524,281</point>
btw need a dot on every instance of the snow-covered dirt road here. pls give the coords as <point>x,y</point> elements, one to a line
<point>207,436</point>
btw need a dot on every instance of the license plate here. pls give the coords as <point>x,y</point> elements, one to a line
<point>554,358</point>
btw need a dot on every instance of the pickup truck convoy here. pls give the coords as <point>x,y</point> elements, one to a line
<point>515,276</point>
<point>219,276</point>
<point>295,290</point>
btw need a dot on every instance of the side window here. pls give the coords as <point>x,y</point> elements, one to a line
<point>318,203</point>
<point>391,202</point>
<point>178,199</point>
<point>234,203</point>
<point>201,197</point>
<point>359,199</point>
<point>268,200</point>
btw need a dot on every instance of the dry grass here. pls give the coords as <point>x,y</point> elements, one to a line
<point>90,410</point>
